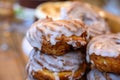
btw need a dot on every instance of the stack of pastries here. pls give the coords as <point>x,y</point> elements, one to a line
<point>77,46</point>
<point>55,55</point>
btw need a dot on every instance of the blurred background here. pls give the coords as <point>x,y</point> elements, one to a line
<point>16,16</point>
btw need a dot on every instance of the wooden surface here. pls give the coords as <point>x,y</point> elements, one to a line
<point>12,59</point>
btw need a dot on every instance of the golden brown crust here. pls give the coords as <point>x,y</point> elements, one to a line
<point>53,11</point>
<point>106,64</point>
<point>61,47</point>
<point>58,49</point>
<point>57,36</point>
<point>81,38</point>
<point>48,75</point>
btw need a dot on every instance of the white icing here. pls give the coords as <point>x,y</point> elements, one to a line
<point>105,62</point>
<point>97,75</point>
<point>29,70</point>
<point>104,45</point>
<point>92,61</point>
<point>56,76</point>
<point>33,39</point>
<point>84,12</point>
<point>63,13</point>
<point>55,29</point>
<point>40,14</point>
<point>71,77</point>
<point>114,77</point>
<point>73,43</point>
<point>68,62</point>
<point>26,47</point>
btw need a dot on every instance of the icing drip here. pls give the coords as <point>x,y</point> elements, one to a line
<point>114,77</point>
<point>29,70</point>
<point>104,45</point>
<point>51,30</point>
<point>68,62</point>
<point>34,36</point>
<point>84,12</point>
<point>56,76</point>
<point>71,77</point>
<point>97,75</point>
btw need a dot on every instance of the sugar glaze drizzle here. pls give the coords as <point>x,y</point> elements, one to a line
<point>68,62</point>
<point>105,45</point>
<point>94,74</point>
<point>86,13</point>
<point>52,30</point>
